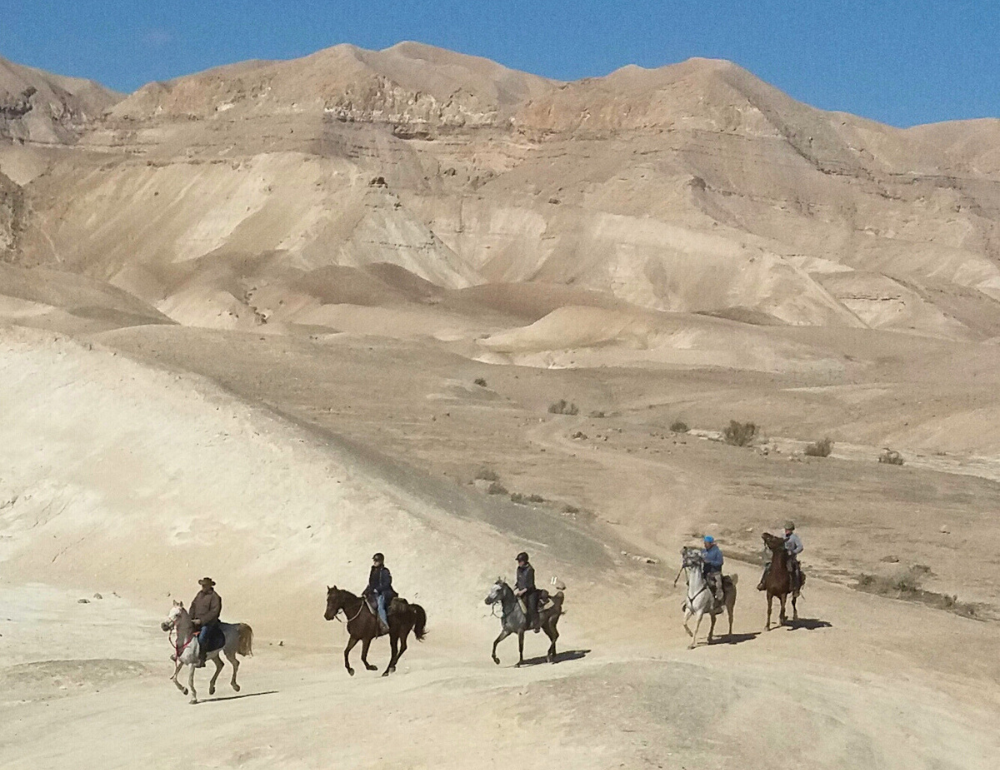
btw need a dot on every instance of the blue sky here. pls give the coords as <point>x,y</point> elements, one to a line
<point>898,61</point>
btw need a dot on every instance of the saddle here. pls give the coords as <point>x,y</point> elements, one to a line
<point>544,600</point>
<point>216,639</point>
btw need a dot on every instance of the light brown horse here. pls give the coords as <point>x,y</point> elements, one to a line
<point>363,626</point>
<point>778,581</point>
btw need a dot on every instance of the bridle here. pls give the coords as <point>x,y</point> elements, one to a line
<point>336,615</point>
<point>685,565</point>
<point>173,639</point>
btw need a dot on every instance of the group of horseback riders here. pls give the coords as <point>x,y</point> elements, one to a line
<point>206,607</point>
<point>712,561</point>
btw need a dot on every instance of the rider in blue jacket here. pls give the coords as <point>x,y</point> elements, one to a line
<point>711,557</point>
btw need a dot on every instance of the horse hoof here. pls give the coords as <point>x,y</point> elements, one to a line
<point>385,673</point>
<point>185,690</point>
<point>350,671</point>
<point>497,661</point>
<point>193,701</point>
<point>211,691</point>
<point>372,668</point>
<point>236,687</point>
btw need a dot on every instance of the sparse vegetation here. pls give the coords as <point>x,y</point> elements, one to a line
<point>567,508</point>
<point>907,584</point>
<point>536,499</point>
<point>740,433</point>
<point>820,448</point>
<point>487,474</point>
<point>890,457</point>
<point>496,488</point>
<point>597,414</point>
<point>480,382</point>
<point>563,407</point>
<point>679,426</point>
<point>517,497</point>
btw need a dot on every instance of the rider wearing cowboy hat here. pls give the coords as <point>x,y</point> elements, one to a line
<point>205,610</point>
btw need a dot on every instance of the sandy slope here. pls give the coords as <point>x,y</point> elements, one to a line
<point>275,511</point>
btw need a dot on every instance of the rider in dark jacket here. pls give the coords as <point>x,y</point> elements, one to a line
<point>525,587</point>
<point>205,610</point>
<point>380,587</point>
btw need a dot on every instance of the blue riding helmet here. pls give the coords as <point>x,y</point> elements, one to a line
<point>709,539</point>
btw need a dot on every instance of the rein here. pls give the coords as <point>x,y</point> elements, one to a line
<point>179,648</point>
<point>356,614</point>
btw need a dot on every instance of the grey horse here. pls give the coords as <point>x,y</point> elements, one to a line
<point>513,620</point>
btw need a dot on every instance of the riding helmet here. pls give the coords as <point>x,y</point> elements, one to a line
<point>378,557</point>
<point>709,539</point>
<point>790,525</point>
<point>522,556</point>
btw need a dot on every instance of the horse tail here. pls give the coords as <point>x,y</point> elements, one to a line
<point>420,622</point>
<point>245,645</point>
<point>734,579</point>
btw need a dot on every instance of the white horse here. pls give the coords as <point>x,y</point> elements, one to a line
<point>700,598</point>
<point>239,641</point>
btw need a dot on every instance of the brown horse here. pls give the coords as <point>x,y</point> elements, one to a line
<point>363,626</point>
<point>778,581</point>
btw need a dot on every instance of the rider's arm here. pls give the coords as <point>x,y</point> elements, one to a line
<point>214,610</point>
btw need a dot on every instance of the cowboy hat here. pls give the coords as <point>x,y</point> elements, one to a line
<point>206,582</point>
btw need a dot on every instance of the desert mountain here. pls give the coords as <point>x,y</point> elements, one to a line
<point>39,107</point>
<point>224,198</point>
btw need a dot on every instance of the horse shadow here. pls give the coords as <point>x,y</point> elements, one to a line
<point>561,657</point>
<point>810,624</point>
<point>734,638</point>
<point>221,698</point>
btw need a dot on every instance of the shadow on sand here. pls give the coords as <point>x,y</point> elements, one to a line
<point>734,639</point>
<point>220,698</point>
<point>561,657</point>
<point>810,624</point>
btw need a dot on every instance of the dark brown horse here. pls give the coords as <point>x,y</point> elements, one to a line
<point>363,626</point>
<point>778,581</point>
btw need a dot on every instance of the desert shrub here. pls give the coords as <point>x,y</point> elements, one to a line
<point>536,499</point>
<point>487,474</point>
<point>890,457</point>
<point>496,488</point>
<point>820,448</point>
<point>597,414</point>
<point>517,497</point>
<point>679,426</point>
<point>739,433</point>
<point>570,509</point>
<point>480,382</point>
<point>562,407</point>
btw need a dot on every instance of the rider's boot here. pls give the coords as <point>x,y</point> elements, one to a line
<point>201,659</point>
<point>763,577</point>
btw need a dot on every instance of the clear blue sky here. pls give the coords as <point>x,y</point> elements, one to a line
<point>898,61</point>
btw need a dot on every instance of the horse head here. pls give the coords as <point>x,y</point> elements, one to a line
<point>334,602</point>
<point>496,592</point>
<point>172,616</point>
<point>690,557</point>
<point>773,542</point>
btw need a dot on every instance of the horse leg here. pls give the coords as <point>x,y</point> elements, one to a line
<point>770,598</point>
<point>795,609</point>
<point>364,655</point>
<point>218,669</point>
<point>177,670</point>
<point>394,646</point>
<point>402,647</point>
<point>697,625</point>
<point>711,628</point>
<point>687,617</point>
<point>520,647</point>
<point>730,608</point>
<point>194,695</point>
<point>503,635</point>
<point>231,657</point>
<point>347,654</point>
<point>553,633</point>
<point>782,616</point>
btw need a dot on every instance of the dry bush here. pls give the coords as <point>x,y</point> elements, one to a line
<point>820,448</point>
<point>740,433</point>
<point>890,457</point>
<point>480,382</point>
<point>487,474</point>
<point>517,497</point>
<point>496,488</point>
<point>570,509</point>
<point>679,426</point>
<point>536,499</point>
<point>562,407</point>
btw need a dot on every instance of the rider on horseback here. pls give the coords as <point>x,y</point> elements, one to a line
<point>205,610</point>
<point>380,588</point>
<point>793,545</point>
<point>525,588</point>
<point>712,560</point>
